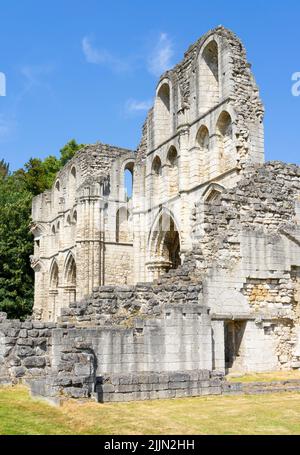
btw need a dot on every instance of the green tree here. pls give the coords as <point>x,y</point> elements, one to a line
<point>16,241</point>
<point>68,151</point>
<point>4,169</point>
<point>16,245</point>
<point>39,175</point>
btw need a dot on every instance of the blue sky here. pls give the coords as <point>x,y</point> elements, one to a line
<point>88,69</point>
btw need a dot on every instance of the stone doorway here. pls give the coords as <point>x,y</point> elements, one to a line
<point>234,332</point>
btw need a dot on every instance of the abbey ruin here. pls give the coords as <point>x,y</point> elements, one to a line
<point>159,290</point>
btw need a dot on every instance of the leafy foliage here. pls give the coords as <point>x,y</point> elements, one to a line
<point>16,241</point>
<point>16,275</point>
<point>68,151</point>
<point>4,169</point>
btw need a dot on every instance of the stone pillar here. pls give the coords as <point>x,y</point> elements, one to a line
<point>218,346</point>
<point>184,183</point>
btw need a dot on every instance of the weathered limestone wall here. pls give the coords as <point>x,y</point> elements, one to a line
<point>179,339</point>
<point>64,359</point>
<point>249,269</point>
<point>25,349</point>
<point>118,264</point>
<point>198,272</point>
<point>205,127</point>
<point>74,224</point>
<point>151,386</point>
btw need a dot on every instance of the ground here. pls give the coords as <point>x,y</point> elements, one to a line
<point>250,414</point>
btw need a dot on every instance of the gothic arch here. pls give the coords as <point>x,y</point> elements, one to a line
<point>212,192</point>
<point>70,270</point>
<point>209,95</point>
<point>56,195</point>
<point>164,244</point>
<point>204,158</point>
<point>72,184</point>
<point>53,290</point>
<point>162,112</point>
<point>225,139</point>
<point>70,273</point>
<point>172,171</point>
<point>54,276</point>
<point>156,174</point>
<point>202,138</point>
<point>127,175</point>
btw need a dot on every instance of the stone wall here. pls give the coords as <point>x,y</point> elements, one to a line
<point>25,349</point>
<point>150,386</point>
<point>62,359</point>
<point>250,261</point>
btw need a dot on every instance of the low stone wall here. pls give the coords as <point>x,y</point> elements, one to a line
<point>151,385</point>
<point>64,360</point>
<point>117,305</point>
<point>24,349</point>
<point>258,388</point>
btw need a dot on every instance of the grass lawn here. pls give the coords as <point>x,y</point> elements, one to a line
<point>249,414</point>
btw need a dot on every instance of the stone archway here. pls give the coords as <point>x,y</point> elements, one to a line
<point>70,280</point>
<point>53,291</point>
<point>164,246</point>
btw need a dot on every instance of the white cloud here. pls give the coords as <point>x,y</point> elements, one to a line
<point>160,59</point>
<point>102,56</point>
<point>133,105</point>
<point>35,74</point>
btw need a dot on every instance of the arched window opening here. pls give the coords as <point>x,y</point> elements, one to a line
<point>209,77</point>
<point>123,228</point>
<point>68,220</point>
<point>172,156</point>
<point>72,185</point>
<point>58,226</point>
<point>54,276</point>
<point>172,160</point>
<point>53,229</point>
<point>203,138</point>
<point>128,180</point>
<point>53,291</point>
<point>56,195</point>
<point>70,280</point>
<point>202,160</point>
<point>162,117</point>
<point>156,180</point>
<point>225,140</point>
<point>164,246</point>
<point>156,166</point>
<point>75,217</point>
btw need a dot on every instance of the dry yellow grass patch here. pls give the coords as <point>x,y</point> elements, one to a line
<point>249,414</point>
